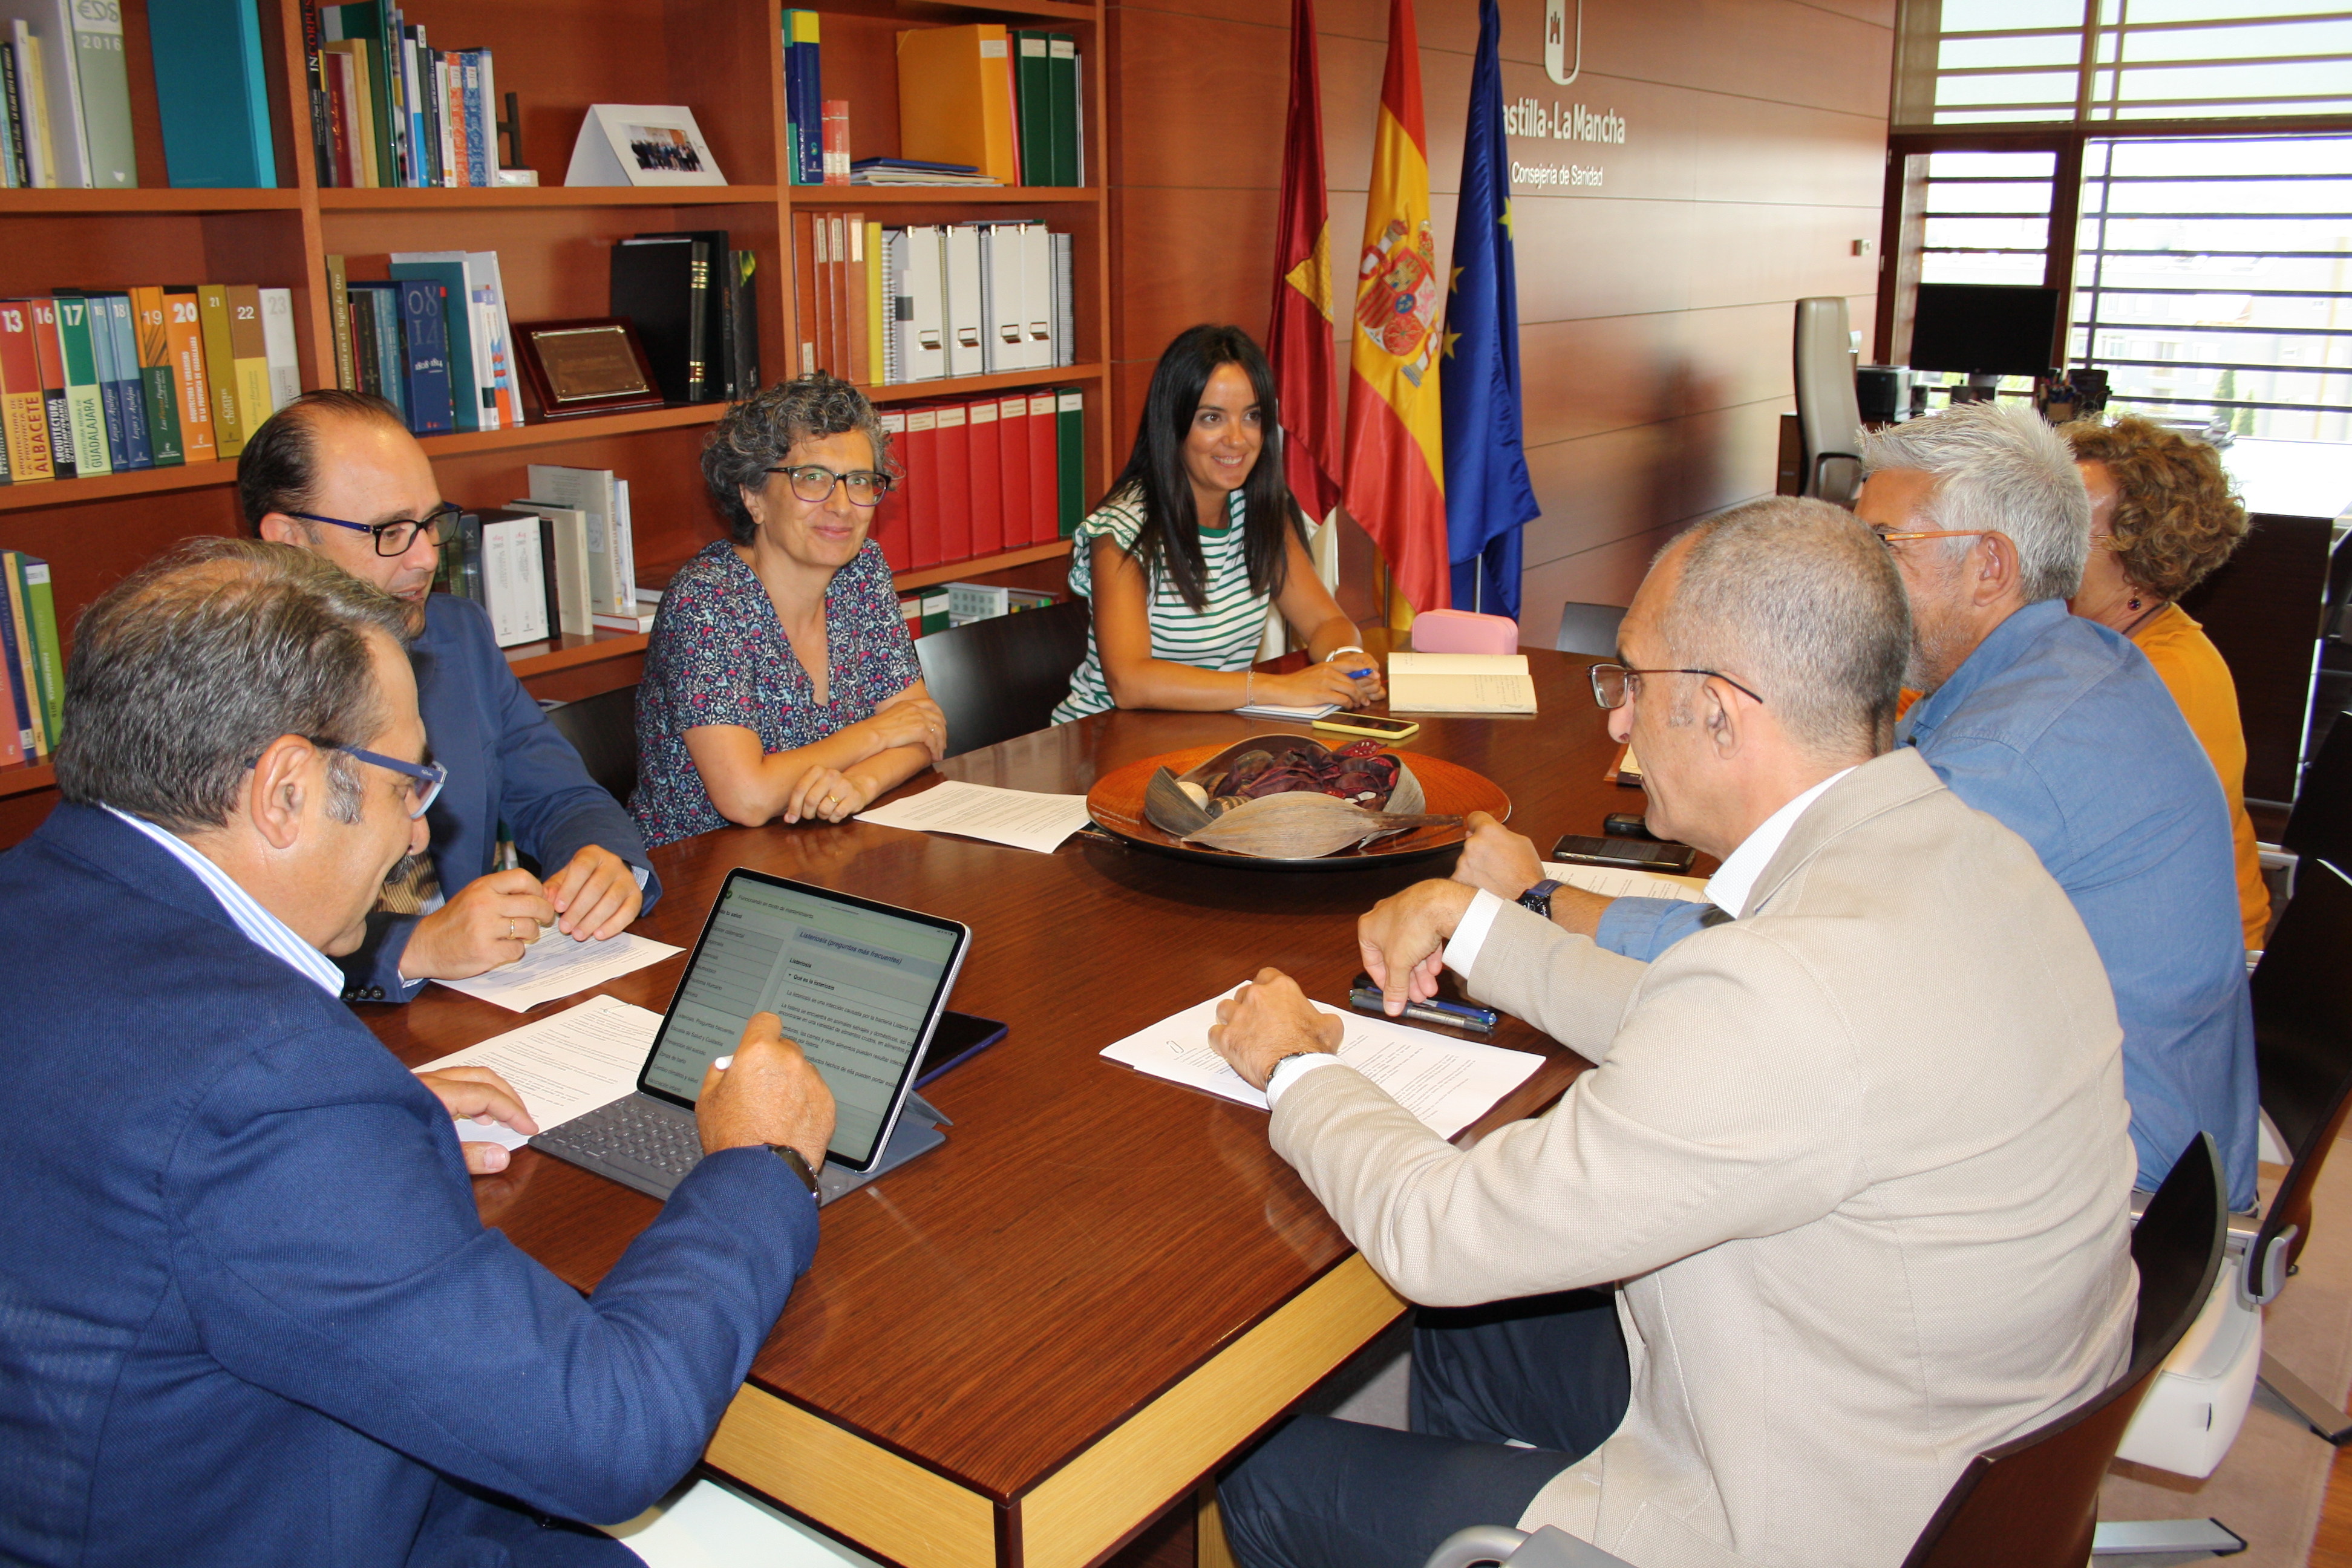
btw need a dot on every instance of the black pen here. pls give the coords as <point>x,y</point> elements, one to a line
<point>1453,1014</point>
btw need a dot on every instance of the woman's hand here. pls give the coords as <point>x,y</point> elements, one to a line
<point>827,794</point>
<point>909,719</point>
<point>1321,683</point>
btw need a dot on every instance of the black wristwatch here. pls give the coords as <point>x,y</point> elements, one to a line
<point>800,1167</point>
<point>1539,897</point>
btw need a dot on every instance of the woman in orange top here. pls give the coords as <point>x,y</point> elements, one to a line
<point>2162,516</point>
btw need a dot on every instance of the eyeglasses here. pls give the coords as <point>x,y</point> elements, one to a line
<point>1613,683</point>
<point>426,779</point>
<point>1892,540</point>
<point>814,484</point>
<point>394,538</point>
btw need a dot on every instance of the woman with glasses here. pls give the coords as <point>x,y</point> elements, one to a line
<point>780,680</point>
<point>1195,539</point>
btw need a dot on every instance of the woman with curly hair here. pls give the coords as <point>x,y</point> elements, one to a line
<point>780,680</point>
<point>2162,516</point>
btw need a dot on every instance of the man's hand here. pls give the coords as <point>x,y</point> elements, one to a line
<point>488,923</point>
<point>768,1094</point>
<point>1497,859</point>
<point>596,896</point>
<point>1404,941</point>
<point>479,1095</point>
<point>1266,1020</point>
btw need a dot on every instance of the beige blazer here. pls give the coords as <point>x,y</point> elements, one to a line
<point>1860,1160</point>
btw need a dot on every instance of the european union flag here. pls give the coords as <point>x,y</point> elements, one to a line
<point>1488,496</point>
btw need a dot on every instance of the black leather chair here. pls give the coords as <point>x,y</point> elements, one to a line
<point>604,729</point>
<point>1588,629</point>
<point>2320,826</point>
<point>2033,1502</point>
<point>1003,677</point>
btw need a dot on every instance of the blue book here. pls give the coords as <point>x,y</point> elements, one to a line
<point>479,166</point>
<point>212,94</point>
<point>456,326</point>
<point>382,303</point>
<point>424,340</point>
<point>106,377</point>
<point>12,675</point>
<point>128,385</point>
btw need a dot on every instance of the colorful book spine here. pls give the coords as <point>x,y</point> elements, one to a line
<point>833,148</point>
<point>24,414</point>
<point>249,356</point>
<point>339,315</point>
<point>478,130</point>
<point>85,404</point>
<point>31,577</point>
<point>183,332</point>
<point>50,348</point>
<point>229,428</point>
<point>424,336</point>
<point>104,82</point>
<point>120,360</point>
<point>808,124</point>
<point>25,664</point>
<point>158,397</point>
<point>24,690</point>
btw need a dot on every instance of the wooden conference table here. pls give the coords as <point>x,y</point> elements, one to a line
<point>1021,1348</point>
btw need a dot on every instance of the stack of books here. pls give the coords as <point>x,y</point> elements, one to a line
<point>32,673</point>
<point>981,476</point>
<point>691,301</point>
<point>95,381</point>
<point>910,172</point>
<point>388,109</point>
<point>816,129</point>
<point>561,562</point>
<point>431,338</point>
<point>66,97</point>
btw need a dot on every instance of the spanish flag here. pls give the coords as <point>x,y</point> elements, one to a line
<point>1396,455</point>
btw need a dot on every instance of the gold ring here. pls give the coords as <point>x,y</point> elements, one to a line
<point>511,931</point>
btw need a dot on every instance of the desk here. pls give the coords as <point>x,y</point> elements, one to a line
<point>1021,1348</point>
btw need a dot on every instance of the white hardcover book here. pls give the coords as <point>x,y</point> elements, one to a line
<point>447,143</point>
<point>624,548</point>
<point>575,605</point>
<point>530,567</point>
<point>51,24</point>
<point>278,345</point>
<point>926,341</point>
<point>1037,296</point>
<point>490,107</point>
<point>965,322</point>
<point>591,490</point>
<point>499,336</point>
<point>32,98</point>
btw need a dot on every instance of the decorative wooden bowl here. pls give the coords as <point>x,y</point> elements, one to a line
<point>1115,802</point>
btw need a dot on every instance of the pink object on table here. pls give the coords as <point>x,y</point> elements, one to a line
<point>1462,631</point>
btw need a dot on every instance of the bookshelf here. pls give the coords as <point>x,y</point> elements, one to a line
<point>724,58</point>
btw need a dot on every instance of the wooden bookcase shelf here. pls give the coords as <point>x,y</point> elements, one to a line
<point>343,200</point>
<point>136,203</point>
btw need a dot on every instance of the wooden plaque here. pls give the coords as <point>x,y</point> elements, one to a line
<point>594,366</point>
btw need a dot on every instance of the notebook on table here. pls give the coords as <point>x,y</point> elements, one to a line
<point>860,986</point>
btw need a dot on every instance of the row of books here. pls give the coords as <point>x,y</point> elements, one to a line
<point>67,97</point>
<point>816,129</point>
<point>691,301</point>
<point>1004,100</point>
<point>32,667</point>
<point>431,337</point>
<point>562,563</point>
<point>389,109</point>
<point>946,605</point>
<point>982,476</point>
<point>93,382</point>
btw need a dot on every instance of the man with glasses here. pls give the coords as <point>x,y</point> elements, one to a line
<point>2061,730</point>
<point>338,474</point>
<point>252,1312</point>
<point>1853,1163</point>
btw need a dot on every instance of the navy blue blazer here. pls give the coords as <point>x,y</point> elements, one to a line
<point>506,762</point>
<point>248,1313</point>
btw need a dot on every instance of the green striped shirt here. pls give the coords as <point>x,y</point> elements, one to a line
<point>1224,635</point>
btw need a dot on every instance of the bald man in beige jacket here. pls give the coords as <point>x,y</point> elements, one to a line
<point>1857,1161</point>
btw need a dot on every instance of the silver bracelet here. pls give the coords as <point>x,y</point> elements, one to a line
<point>1352,647</point>
<point>1249,680</point>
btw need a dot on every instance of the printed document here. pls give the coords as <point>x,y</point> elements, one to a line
<point>1020,818</point>
<point>1448,1084</point>
<point>1621,882</point>
<point>555,965</point>
<point>563,1066</point>
<point>1460,683</point>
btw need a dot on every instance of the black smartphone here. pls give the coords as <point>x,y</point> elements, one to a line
<point>958,1037</point>
<point>1631,855</point>
<point>1628,824</point>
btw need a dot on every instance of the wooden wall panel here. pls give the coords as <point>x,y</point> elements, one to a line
<point>1655,307</point>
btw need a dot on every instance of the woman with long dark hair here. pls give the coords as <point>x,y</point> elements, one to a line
<point>1196,538</point>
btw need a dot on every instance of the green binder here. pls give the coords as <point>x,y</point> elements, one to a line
<point>1062,64</point>
<point>1033,90</point>
<point>1070,454</point>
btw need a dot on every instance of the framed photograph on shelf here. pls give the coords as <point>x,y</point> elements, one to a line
<point>594,366</point>
<point>641,144</point>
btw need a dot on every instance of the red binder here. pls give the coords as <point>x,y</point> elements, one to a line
<point>953,464</point>
<point>922,489</point>
<point>1044,472</point>
<point>987,476</point>
<point>889,528</point>
<point>1012,448</point>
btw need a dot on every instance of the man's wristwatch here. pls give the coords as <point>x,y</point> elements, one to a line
<point>800,1167</point>
<point>1539,897</point>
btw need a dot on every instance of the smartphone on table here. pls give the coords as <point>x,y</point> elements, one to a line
<point>1627,854</point>
<point>1371,726</point>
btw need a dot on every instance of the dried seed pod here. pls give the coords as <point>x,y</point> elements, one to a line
<point>1199,796</point>
<point>1169,808</point>
<point>1302,825</point>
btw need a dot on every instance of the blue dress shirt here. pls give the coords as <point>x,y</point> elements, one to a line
<point>2061,730</point>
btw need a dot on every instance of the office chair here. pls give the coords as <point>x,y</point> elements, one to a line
<point>2320,826</point>
<point>2033,1502</point>
<point>1588,629</point>
<point>1828,415</point>
<point>604,729</point>
<point>1002,677</point>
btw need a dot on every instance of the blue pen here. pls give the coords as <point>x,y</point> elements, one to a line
<point>1359,674</point>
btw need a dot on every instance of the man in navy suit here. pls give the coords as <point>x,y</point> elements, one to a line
<point>248,1313</point>
<point>336,473</point>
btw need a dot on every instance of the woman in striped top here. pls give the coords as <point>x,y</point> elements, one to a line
<point>1179,605</point>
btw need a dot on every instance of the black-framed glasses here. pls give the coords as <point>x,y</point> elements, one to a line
<point>426,779</point>
<point>812,483</point>
<point>1613,683</point>
<point>395,538</point>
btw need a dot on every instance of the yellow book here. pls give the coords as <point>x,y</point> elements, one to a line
<point>249,355</point>
<point>874,300</point>
<point>955,99</point>
<point>229,427</point>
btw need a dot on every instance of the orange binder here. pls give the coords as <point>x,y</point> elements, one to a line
<point>955,99</point>
<point>806,326</point>
<point>987,476</point>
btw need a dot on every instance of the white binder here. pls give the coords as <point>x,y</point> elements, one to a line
<point>1004,273</point>
<point>922,344</point>
<point>965,319</point>
<point>1037,296</point>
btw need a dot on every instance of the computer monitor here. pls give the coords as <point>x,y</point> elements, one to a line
<point>1985,331</point>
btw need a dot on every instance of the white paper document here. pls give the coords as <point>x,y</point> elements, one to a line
<point>1448,1084</point>
<point>1460,683</point>
<point>1618,882</point>
<point>1020,818</point>
<point>563,1066</point>
<point>555,965</point>
<point>1307,715</point>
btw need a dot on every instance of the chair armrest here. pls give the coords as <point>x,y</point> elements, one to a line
<point>1547,1548</point>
